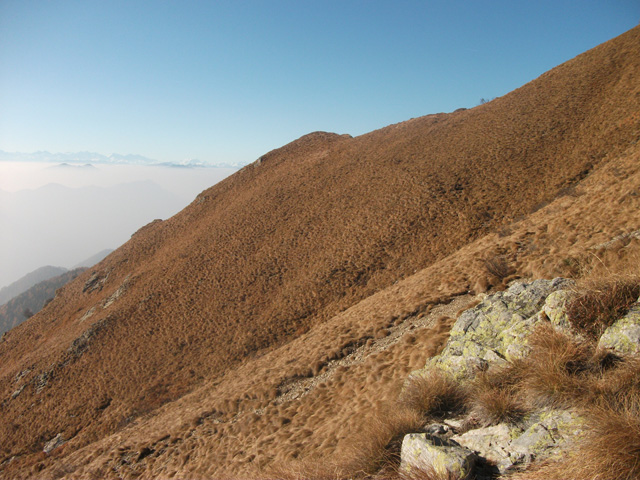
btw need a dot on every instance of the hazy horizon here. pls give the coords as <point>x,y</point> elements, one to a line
<point>60,216</point>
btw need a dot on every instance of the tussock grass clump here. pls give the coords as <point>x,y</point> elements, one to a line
<point>609,448</point>
<point>377,450</point>
<point>612,442</point>
<point>599,303</point>
<point>553,374</point>
<point>300,470</point>
<point>616,384</point>
<point>497,266</point>
<point>606,394</point>
<point>434,395</point>
<point>495,398</point>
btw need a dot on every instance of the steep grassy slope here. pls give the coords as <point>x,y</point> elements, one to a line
<point>186,351</point>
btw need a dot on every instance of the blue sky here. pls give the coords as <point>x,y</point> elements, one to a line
<point>227,81</point>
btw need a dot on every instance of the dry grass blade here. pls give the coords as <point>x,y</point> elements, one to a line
<point>377,450</point>
<point>498,267</point>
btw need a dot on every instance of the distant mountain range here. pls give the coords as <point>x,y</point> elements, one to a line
<point>32,300</point>
<point>43,274</point>
<point>93,259</point>
<point>28,281</point>
<point>62,225</point>
<point>112,159</point>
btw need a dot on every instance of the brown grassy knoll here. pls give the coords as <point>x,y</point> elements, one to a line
<point>289,265</point>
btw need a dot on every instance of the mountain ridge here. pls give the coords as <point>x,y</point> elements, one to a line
<point>289,258</point>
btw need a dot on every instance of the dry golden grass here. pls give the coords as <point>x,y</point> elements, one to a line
<point>377,451</point>
<point>275,275</point>
<point>553,373</point>
<point>598,303</point>
<point>434,395</point>
<point>559,372</point>
<point>609,446</point>
<point>494,397</point>
<point>498,267</point>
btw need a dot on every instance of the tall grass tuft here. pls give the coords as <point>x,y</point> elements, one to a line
<point>599,303</point>
<point>495,398</point>
<point>434,394</point>
<point>553,374</point>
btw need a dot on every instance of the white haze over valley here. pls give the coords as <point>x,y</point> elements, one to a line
<point>52,214</point>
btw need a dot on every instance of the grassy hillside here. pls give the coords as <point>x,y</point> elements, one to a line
<point>275,317</point>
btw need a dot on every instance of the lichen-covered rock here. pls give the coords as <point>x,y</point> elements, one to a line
<point>508,446</point>
<point>546,436</point>
<point>423,452</point>
<point>490,443</point>
<point>534,442</point>
<point>555,308</point>
<point>54,443</point>
<point>623,337</point>
<point>496,330</point>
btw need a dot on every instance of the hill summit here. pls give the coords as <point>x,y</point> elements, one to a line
<point>278,314</point>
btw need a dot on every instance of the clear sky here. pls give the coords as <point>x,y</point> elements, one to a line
<point>224,81</point>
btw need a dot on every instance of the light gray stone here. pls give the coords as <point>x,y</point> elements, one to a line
<point>623,337</point>
<point>54,443</point>
<point>496,330</point>
<point>420,451</point>
<point>490,443</point>
<point>555,309</point>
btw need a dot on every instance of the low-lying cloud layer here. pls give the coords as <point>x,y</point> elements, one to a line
<point>62,214</point>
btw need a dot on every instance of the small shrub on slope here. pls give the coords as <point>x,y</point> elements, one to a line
<point>498,267</point>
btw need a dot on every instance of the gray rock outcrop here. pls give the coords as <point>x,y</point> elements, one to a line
<point>495,331</point>
<point>422,452</point>
<point>493,334</point>
<point>623,337</point>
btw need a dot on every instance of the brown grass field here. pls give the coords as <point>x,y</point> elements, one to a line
<point>265,330</point>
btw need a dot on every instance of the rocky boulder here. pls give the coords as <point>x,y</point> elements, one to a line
<point>623,337</point>
<point>507,446</point>
<point>492,334</point>
<point>422,452</point>
<point>495,331</point>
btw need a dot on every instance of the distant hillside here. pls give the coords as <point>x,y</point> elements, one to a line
<point>274,319</point>
<point>30,302</point>
<point>28,281</point>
